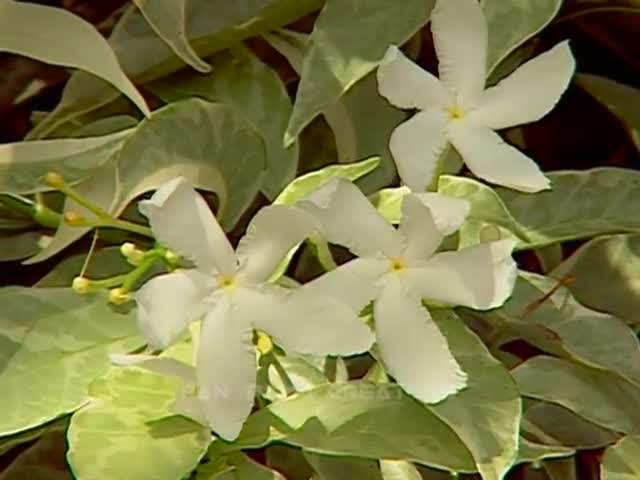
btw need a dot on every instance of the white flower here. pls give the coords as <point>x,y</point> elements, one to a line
<point>398,268</point>
<point>231,291</point>
<point>457,109</point>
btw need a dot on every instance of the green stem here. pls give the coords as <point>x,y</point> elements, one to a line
<point>134,275</point>
<point>123,225</point>
<point>323,253</point>
<point>80,200</point>
<point>38,212</point>
<point>282,373</point>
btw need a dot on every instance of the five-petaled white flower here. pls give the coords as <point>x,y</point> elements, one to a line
<point>232,292</point>
<point>456,108</point>
<point>398,268</point>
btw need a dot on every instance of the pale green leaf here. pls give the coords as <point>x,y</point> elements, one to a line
<point>621,99</point>
<point>23,165</point>
<point>18,245</point>
<point>605,399</point>
<point>622,461</point>
<point>306,183</point>
<point>56,36</point>
<point>348,41</point>
<point>529,451</point>
<point>210,25</point>
<point>398,470</point>
<point>44,460</point>
<point>210,144</point>
<point>303,375</point>
<point>605,271</point>
<point>513,22</point>
<point>241,80</point>
<point>561,468</point>
<point>244,468</point>
<point>581,204</point>
<point>128,418</point>
<point>361,120</point>
<point>54,342</point>
<point>168,18</point>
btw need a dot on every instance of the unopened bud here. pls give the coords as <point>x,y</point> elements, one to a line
<point>131,253</point>
<point>489,233</point>
<point>74,219</point>
<point>264,345</point>
<point>171,257</point>
<point>54,180</point>
<point>118,296</point>
<point>80,285</point>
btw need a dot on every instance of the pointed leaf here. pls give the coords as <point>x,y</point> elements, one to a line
<point>622,461</point>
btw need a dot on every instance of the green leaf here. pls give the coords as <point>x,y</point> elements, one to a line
<point>348,41</point>
<point>168,19</point>
<point>529,452</point>
<point>210,25</point>
<point>596,395</point>
<point>329,467</point>
<point>210,144</point>
<point>23,165</point>
<point>619,98</point>
<point>312,180</point>
<point>398,470</point>
<point>622,461</point>
<point>513,22</point>
<point>605,270</point>
<point>53,343</point>
<point>16,246</point>
<point>303,375</point>
<point>244,468</point>
<point>241,80</point>
<point>581,204</point>
<point>56,36</point>
<point>44,460</point>
<point>129,414</point>
<point>361,120</point>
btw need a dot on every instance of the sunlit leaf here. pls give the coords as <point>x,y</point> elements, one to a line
<point>54,342</point>
<point>529,451</point>
<point>168,18</point>
<point>398,470</point>
<point>329,467</point>
<point>622,461</point>
<point>241,80</point>
<point>56,36</point>
<point>348,41</point>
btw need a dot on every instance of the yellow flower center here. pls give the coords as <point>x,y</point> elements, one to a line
<point>455,112</point>
<point>226,281</point>
<point>397,265</point>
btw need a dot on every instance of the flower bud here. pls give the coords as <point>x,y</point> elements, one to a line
<point>118,296</point>
<point>74,219</point>
<point>264,345</point>
<point>54,180</point>
<point>131,253</point>
<point>80,285</point>
<point>171,257</point>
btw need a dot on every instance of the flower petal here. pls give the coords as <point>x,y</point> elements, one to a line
<point>419,229</point>
<point>529,93</point>
<point>416,146</point>
<point>460,38</point>
<point>167,303</point>
<point>272,232</point>
<point>161,365</point>
<point>181,220</point>
<point>413,349</point>
<point>480,277</point>
<point>349,219</point>
<point>188,404</point>
<point>406,85</point>
<point>449,213</point>
<point>226,368</point>
<point>303,322</point>
<point>490,158</point>
<point>354,283</point>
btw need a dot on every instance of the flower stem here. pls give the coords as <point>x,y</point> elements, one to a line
<point>38,212</point>
<point>323,253</point>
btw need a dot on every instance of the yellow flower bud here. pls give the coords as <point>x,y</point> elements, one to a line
<point>264,345</point>
<point>118,296</point>
<point>74,219</point>
<point>54,180</point>
<point>131,253</point>
<point>80,285</point>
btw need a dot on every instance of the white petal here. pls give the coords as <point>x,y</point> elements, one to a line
<point>181,220</point>
<point>354,283</point>
<point>226,369</point>
<point>419,229</point>
<point>460,38</point>
<point>272,232</point>
<point>490,158</point>
<point>449,213</point>
<point>167,303</point>
<point>160,365</point>
<point>416,146</point>
<point>480,277</point>
<point>529,93</point>
<point>406,85</point>
<point>307,323</point>
<point>188,404</point>
<point>349,219</point>
<point>413,349</point>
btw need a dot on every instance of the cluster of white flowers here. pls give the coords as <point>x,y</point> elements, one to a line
<point>396,269</point>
